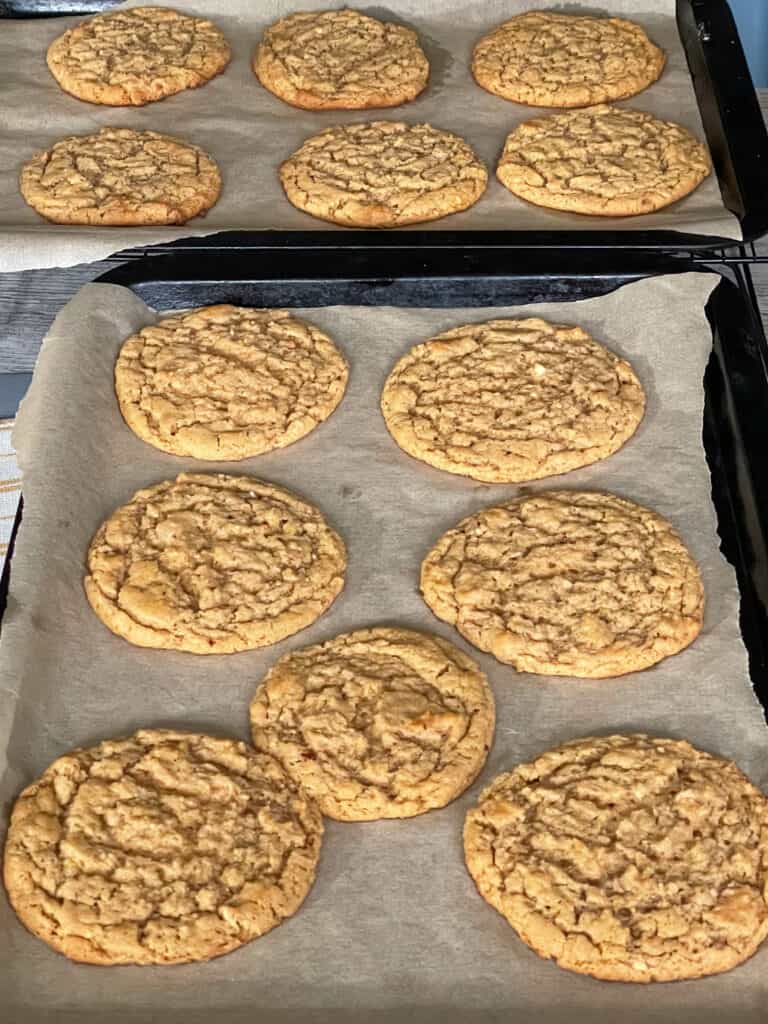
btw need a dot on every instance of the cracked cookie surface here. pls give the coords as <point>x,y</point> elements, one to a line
<point>628,858</point>
<point>119,176</point>
<point>213,564</point>
<point>605,161</point>
<point>132,57</point>
<point>379,723</point>
<point>383,174</point>
<point>228,382</point>
<point>511,400</point>
<point>161,848</point>
<point>546,59</point>
<point>574,583</point>
<point>340,60</point>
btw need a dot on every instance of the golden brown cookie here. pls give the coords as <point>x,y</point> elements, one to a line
<point>567,583</point>
<point>547,59</point>
<point>605,161</point>
<point>121,176</point>
<point>379,723</point>
<point>213,564</point>
<point>340,60</point>
<point>511,400</point>
<point>161,848</point>
<point>627,858</point>
<point>383,174</point>
<point>131,57</point>
<point>228,382</point>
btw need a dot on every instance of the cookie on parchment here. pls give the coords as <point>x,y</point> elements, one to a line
<point>567,583</point>
<point>228,382</point>
<point>120,176</point>
<point>546,59</point>
<point>605,161</point>
<point>379,723</point>
<point>627,858</point>
<point>512,400</point>
<point>340,60</point>
<point>135,56</point>
<point>161,848</point>
<point>213,564</point>
<point>383,174</point>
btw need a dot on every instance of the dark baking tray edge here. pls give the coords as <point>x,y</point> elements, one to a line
<point>730,112</point>
<point>736,380</point>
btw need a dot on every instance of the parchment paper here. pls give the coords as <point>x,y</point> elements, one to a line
<point>250,132</point>
<point>394,924</point>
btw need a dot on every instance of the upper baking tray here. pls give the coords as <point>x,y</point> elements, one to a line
<point>730,113</point>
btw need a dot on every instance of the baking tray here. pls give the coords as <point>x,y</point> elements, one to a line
<point>730,112</point>
<point>736,380</point>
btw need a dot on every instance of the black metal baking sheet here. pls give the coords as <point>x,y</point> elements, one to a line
<point>736,381</point>
<point>730,112</point>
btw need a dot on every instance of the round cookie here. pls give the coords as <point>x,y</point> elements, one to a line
<point>383,174</point>
<point>213,564</point>
<point>228,382</point>
<point>605,161</point>
<point>162,848</point>
<point>547,59</point>
<point>119,176</point>
<point>379,723</point>
<point>567,583</point>
<point>511,400</point>
<point>626,858</point>
<point>340,60</point>
<point>132,57</point>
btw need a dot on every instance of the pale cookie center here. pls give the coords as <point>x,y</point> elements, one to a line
<point>630,855</point>
<point>515,394</point>
<point>382,166</point>
<point>580,54</point>
<point>241,375</point>
<point>123,49</point>
<point>211,562</point>
<point>130,168</point>
<point>381,724</point>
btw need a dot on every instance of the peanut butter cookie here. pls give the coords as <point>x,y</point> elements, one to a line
<point>340,60</point>
<point>511,400</point>
<point>132,57</point>
<point>605,161</point>
<point>379,723</point>
<point>546,59</point>
<point>161,848</point>
<point>228,382</point>
<point>121,176</point>
<point>383,174</point>
<point>567,583</point>
<point>627,858</point>
<point>213,564</point>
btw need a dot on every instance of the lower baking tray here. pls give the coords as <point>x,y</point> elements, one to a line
<point>736,380</point>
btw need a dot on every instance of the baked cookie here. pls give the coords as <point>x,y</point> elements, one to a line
<point>132,57</point>
<point>213,564</point>
<point>228,382</point>
<point>121,176</point>
<point>627,858</point>
<point>161,848</point>
<point>383,174</point>
<point>546,59</point>
<point>511,400</point>
<point>379,723</point>
<point>340,60</point>
<point>605,161</point>
<point>567,583</point>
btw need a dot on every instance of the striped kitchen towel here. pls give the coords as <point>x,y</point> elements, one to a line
<point>10,485</point>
